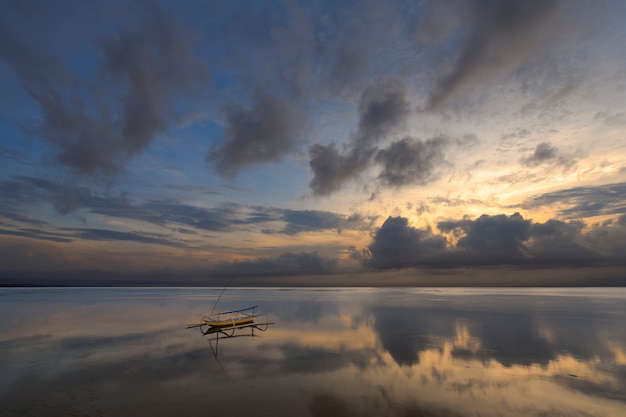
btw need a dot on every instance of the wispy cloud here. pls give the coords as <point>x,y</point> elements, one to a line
<point>582,202</point>
<point>97,127</point>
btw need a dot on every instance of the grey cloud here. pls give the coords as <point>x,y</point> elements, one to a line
<point>382,108</point>
<point>490,239</point>
<point>14,216</point>
<point>262,133</point>
<point>543,152</point>
<point>409,161</point>
<point>584,202</point>
<point>114,235</point>
<point>98,126</point>
<point>313,49</point>
<point>302,263</point>
<point>298,221</point>
<point>612,119</point>
<point>495,240</point>
<point>170,214</point>
<point>307,56</point>
<point>555,241</point>
<point>65,235</point>
<point>37,234</point>
<point>517,134</point>
<point>398,245</point>
<point>501,34</point>
<point>332,169</point>
<point>546,154</point>
<point>609,239</point>
<point>65,198</point>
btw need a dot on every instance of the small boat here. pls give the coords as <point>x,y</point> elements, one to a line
<point>227,320</point>
<point>227,324</point>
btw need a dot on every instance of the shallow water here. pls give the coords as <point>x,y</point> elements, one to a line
<point>332,352</point>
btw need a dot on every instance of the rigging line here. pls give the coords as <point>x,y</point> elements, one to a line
<point>223,289</point>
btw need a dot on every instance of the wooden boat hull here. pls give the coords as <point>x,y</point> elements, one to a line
<point>230,322</point>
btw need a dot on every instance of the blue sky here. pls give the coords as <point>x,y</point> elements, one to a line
<point>460,142</point>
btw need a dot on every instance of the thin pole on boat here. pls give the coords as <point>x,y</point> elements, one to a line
<point>223,289</point>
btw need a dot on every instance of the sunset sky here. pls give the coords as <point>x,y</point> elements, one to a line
<point>457,142</point>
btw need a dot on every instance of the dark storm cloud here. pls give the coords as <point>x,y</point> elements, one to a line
<point>490,239</point>
<point>495,240</point>
<point>409,161</point>
<point>262,133</point>
<point>582,202</point>
<point>301,263</point>
<point>500,36</point>
<point>556,241</point>
<point>97,126</point>
<point>609,238</point>
<point>398,245</point>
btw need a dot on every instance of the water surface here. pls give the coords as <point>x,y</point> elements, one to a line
<point>332,352</point>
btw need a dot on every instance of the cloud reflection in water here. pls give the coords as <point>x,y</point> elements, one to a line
<point>397,352</point>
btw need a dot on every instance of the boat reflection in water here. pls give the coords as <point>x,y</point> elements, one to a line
<point>230,324</point>
<point>335,352</point>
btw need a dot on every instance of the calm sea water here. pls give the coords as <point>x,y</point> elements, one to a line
<point>332,352</point>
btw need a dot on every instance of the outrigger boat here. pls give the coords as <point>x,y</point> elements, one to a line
<point>227,319</point>
<point>226,322</point>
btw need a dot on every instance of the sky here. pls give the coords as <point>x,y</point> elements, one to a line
<point>456,142</point>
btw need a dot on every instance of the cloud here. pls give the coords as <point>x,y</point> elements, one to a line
<point>301,263</point>
<point>398,245</point>
<point>382,108</point>
<point>609,239</point>
<point>409,161</point>
<point>299,221</point>
<point>495,240</point>
<point>546,154</point>
<point>98,125</point>
<point>490,239</point>
<point>331,170</point>
<point>263,133</point>
<point>38,234</point>
<point>173,215</point>
<point>500,36</point>
<point>543,152</point>
<point>556,241</point>
<point>582,202</point>
<point>120,236</point>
